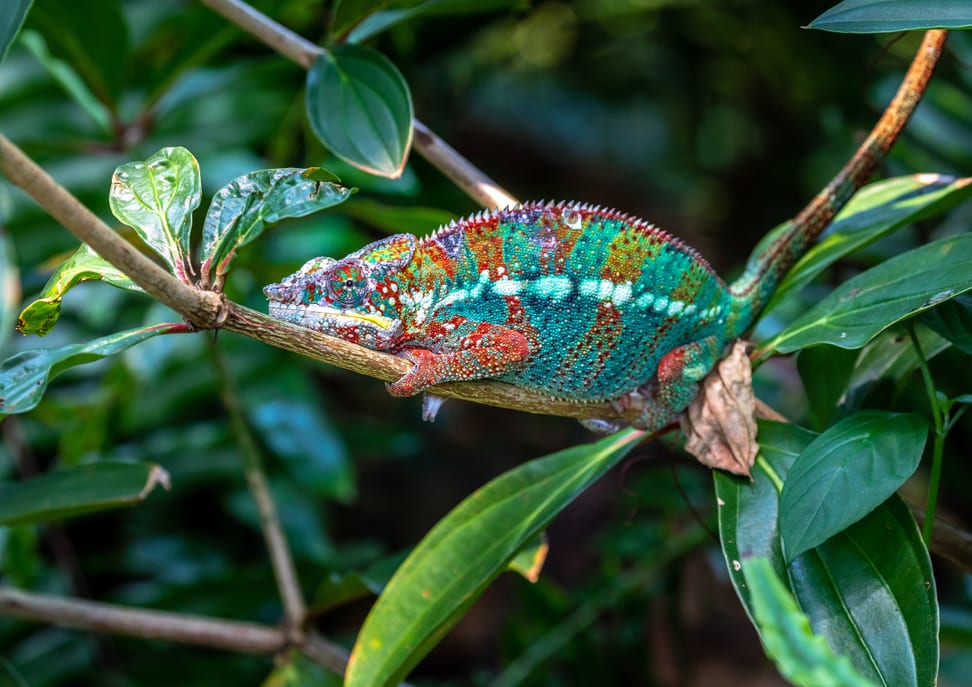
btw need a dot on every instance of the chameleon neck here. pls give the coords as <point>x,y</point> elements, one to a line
<point>777,252</point>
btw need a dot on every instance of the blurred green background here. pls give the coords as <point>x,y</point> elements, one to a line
<point>715,120</point>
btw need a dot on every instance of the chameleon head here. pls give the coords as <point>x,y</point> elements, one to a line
<point>348,298</point>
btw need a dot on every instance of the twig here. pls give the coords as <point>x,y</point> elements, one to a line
<point>458,169</point>
<point>147,624</point>
<point>282,561</point>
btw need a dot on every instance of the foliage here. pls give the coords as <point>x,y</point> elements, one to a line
<point>825,556</point>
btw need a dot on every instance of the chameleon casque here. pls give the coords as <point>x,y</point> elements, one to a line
<point>569,299</point>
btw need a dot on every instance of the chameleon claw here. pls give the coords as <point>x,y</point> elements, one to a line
<point>430,406</point>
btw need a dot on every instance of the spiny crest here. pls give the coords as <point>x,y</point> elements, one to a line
<point>590,209</point>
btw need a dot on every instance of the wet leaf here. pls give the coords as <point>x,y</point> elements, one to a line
<point>882,16</point>
<point>41,315</point>
<point>67,493</point>
<point>845,473</point>
<point>24,377</point>
<point>360,107</point>
<point>242,208</point>
<point>156,198</point>
<point>465,551</point>
<point>870,302</point>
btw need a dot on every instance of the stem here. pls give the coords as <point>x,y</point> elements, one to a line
<point>938,445</point>
<point>147,624</point>
<point>441,155</point>
<point>256,479</point>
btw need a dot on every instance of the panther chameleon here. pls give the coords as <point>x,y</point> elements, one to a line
<point>568,299</point>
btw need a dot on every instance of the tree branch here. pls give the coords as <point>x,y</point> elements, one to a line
<point>280,558</point>
<point>446,159</point>
<point>209,310</point>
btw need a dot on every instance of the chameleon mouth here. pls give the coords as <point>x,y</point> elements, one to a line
<point>314,316</point>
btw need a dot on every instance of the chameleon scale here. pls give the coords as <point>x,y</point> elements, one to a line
<point>571,300</point>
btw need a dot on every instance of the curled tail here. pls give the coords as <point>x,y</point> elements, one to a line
<point>778,251</point>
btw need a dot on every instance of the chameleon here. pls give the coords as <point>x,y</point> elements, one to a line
<point>570,299</point>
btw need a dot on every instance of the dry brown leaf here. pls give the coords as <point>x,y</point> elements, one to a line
<point>720,424</point>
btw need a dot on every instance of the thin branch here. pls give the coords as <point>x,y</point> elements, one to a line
<point>458,169</point>
<point>147,624</point>
<point>283,563</point>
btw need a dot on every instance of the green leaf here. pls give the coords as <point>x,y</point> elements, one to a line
<point>24,377</point>
<point>845,473</point>
<point>69,80</point>
<point>529,560</point>
<point>868,590</point>
<point>892,356</point>
<point>802,657</point>
<point>92,37</point>
<point>41,315</point>
<point>383,20</point>
<point>240,210</point>
<point>465,551</point>
<point>875,211</point>
<point>341,587</point>
<point>66,493</point>
<point>299,671</point>
<point>360,107</point>
<point>9,287</point>
<point>870,302</point>
<point>156,198</point>
<point>883,16</point>
<point>348,13</point>
<point>953,321</point>
<point>11,19</point>
<point>825,372</point>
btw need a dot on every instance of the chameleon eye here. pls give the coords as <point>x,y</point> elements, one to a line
<point>346,284</point>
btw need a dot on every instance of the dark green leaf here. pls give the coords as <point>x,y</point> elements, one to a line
<point>845,473</point>
<point>870,302</point>
<point>240,210</point>
<point>339,588</point>
<point>825,372</point>
<point>92,37</point>
<point>156,198</point>
<point>868,590</point>
<point>41,315</point>
<point>69,80</point>
<point>24,377</point>
<point>883,16</point>
<point>299,671</point>
<point>892,356</point>
<point>360,107</point>
<point>11,19</point>
<point>802,657</point>
<point>66,493</point>
<point>9,288</point>
<point>953,321</point>
<point>465,551</point>
<point>875,211</point>
<point>383,20</point>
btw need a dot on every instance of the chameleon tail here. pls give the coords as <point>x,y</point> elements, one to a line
<point>778,251</point>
